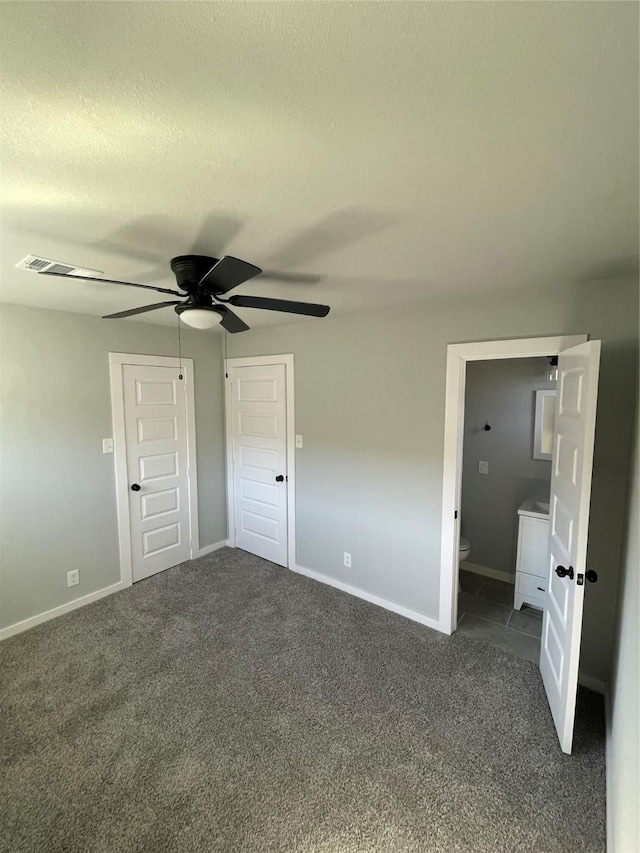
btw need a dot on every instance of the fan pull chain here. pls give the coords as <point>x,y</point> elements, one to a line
<point>224,345</point>
<point>180,374</point>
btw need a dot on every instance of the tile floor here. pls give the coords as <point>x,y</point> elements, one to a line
<point>485,612</point>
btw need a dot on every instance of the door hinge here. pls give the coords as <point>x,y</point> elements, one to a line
<point>455,514</point>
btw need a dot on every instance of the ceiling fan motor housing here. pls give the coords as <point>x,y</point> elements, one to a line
<point>190,269</point>
<point>204,302</point>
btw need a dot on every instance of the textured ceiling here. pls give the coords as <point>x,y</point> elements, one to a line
<point>389,152</point>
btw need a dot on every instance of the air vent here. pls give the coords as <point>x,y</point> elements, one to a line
<point>35,264</point>
<point>32,263</point>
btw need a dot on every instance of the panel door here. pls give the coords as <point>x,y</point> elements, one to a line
<point>568,526</point>
<point>156,437</point>
<point>259,407</point>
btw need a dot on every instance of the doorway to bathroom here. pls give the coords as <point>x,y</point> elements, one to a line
<point>504,507</point>
<point>568,515</point>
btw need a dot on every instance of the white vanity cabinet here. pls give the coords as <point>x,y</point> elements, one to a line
<point>531,562</point>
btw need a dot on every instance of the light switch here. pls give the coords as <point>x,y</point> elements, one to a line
<point>107,445</point>
<point>298,441</point>
<point>483,467</point>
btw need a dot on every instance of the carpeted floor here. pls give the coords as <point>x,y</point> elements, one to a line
<point>231,705</point>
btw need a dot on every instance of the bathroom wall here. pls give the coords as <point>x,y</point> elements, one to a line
<point>501,393</point>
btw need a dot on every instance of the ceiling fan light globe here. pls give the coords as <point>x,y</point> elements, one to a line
<point>200,318</point>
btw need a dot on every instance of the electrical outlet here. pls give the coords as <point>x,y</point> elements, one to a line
<point>347,559</point>
<point>483,467</point>
<point>73,578</point>
<point>298,441</point>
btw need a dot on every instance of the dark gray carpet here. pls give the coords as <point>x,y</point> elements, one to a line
<point>231,705</point>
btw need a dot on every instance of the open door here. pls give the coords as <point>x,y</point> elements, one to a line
<point>568,527</point>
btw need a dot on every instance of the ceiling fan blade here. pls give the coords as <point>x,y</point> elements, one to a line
<point>230,321</point>
<point>310,309</point>
<point>141,310</point>
<point>226,274</point>
<point>111,281</point>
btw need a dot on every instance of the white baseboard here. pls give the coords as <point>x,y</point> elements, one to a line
<point>489,573</point>
<point>209,549</point>
<point>32,621</point>
<point>370,597</point>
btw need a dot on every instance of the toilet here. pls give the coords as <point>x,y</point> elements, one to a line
<point>464,550</point>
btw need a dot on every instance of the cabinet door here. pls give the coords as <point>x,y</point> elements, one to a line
<point>531,587</point>
<point>533,546</point>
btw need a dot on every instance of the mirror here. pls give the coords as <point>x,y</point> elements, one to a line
<point>544,424</point>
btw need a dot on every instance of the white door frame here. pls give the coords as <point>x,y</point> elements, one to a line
<point>117,360</point>
<point>457,357</point>
<point>260,361</point>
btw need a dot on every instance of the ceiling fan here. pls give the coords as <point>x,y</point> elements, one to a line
<point>203,281</point>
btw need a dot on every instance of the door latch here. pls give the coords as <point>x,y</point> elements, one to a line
<point>564,573</point>
<point>580,580</point>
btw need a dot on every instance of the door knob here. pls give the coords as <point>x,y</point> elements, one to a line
<point>592,576</point>
<point>563,573</point>
<point>135,488</point>
<point>280,478</point>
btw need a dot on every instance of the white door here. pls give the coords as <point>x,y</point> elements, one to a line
<point>568,527</point>
<point>259,454</point>
<point>155,416</point>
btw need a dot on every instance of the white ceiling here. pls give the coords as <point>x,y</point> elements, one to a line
<point>395,151</point>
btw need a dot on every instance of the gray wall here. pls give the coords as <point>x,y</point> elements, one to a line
<point>623,748</point>
<point>58,489</point>
<point>501,393</point>
<point>370,404</point>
